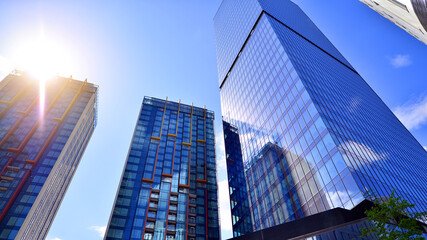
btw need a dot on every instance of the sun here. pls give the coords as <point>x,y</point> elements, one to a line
<point>43,58</point>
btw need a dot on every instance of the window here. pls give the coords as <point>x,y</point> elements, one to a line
<point>148,236</point>
<point>173,207</point>
<point>171,227</point>
<point>149,225</point>
<point>172,217</point>
<point>155,195</point>
<point>151,214</point>
<point>153,205</point>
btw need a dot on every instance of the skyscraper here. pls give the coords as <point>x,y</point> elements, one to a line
<point>168,188</point>
<point>44,131</point>
<point>313,135</point>
<point>410,15</point>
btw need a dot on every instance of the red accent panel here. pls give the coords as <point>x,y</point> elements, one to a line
<point>146,214</point>
<point>21,146</point>
<point>206,211</point>
<point>167,215</point>
<point>5,167</point>
<point>11,130</point>
<point>46,143</point>
<point>15,194</point>
<point>33,130</point>
<point>188,209</point>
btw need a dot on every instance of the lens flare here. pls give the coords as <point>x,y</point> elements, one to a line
<point>42,58</point>
<point>42,97</point>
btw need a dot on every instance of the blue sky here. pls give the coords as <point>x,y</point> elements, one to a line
<point>167,48</point>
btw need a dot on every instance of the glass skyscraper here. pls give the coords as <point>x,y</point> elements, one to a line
<point>43,134</point>
<point>313,135</point>
<point>168,188</point>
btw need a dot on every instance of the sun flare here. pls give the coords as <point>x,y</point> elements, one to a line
<point>42,58</point>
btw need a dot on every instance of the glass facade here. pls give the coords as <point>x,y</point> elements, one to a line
<point>43,135</point>
<point>168,188</point>
<point>239,201</point>
<point>313,135</point>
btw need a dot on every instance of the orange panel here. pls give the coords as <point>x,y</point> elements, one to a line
<point>147,180</point>
<point>183,186</point>
<point>15,194</point>
<point>146,213</point>
<point>49,139</point>
<point>33,130</point>
<point>13,128</point>
<point>200,181</point>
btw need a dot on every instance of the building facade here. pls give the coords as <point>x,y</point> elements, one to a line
<point>239,198</point>
<point>410,15</point>
<point>44,131</point>
<point>168,188</point>
<point>313,135</point>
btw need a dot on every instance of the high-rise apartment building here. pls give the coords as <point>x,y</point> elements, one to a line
<point>44,131</point>
<point>313,135</point>
<point>410,15</point>
<point>168,188</point>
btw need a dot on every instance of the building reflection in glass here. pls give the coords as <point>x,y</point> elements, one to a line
<point>301,107</point>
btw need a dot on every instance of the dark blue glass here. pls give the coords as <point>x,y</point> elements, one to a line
<point>239,199</point>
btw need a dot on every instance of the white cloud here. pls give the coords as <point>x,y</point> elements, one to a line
<point>99,229</point>
<point>334,198</point>
<point>425,148</point>
<point>224,203</point>
<point>362,151</point>
<point>400,60</point>
<point>413,114</point>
